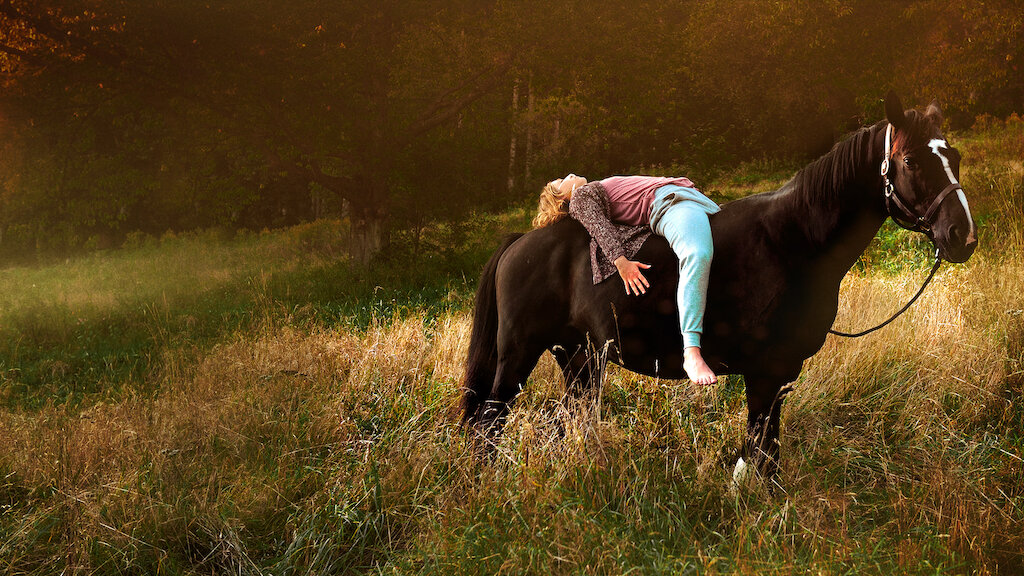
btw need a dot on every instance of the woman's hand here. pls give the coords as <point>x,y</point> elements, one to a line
<point>634,280</point>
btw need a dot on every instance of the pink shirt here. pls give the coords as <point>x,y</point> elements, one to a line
<point>630,197</point>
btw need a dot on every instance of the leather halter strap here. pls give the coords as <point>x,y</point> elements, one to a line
<point>905,216</point>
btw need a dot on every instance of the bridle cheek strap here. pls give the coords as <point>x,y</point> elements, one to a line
<point>952,187</point>
<point>906,213</point>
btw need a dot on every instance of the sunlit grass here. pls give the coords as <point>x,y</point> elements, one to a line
<point>333,451</point>
<point>98,326</point>
<point>151,269</point>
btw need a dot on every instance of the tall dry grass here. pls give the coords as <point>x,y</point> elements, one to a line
<point>332,451</point>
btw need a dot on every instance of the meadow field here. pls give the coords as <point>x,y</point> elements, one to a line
<point>252,404</point>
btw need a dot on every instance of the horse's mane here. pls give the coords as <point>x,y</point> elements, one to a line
<point>823,180</point>
<point>821,191</point>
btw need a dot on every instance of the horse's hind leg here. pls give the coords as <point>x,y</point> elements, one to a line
<point>515,363</point>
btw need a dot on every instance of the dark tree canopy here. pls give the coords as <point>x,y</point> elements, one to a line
<point>120,116</point>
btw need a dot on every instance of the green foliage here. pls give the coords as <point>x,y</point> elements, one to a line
<point>99,326</point>
<point>895,250</point>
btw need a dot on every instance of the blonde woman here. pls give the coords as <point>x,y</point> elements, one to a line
<point>620,213</point>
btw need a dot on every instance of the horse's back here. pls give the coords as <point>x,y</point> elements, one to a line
<point>546,294</point>
<point>544,258</point>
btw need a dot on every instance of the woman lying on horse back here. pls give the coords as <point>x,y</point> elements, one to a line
<point>620,213</point>
<point>773,288</point>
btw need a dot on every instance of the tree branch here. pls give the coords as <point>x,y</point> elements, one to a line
<point>442,111</point>
<point>439,102</point>
<point>47,28</point>
<point>28,57</point>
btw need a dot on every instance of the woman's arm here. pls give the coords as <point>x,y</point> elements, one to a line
<point>589,205</point>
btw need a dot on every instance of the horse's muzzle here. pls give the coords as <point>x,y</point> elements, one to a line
<point>957,245</point>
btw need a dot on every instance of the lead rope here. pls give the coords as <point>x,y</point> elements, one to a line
<point>889,193</point>
<point>935,268</point>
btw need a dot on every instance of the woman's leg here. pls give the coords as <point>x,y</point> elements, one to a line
<point>686,227</point>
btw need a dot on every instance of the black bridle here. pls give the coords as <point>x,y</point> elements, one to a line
<point>897,207</point>
<point>906,218</point>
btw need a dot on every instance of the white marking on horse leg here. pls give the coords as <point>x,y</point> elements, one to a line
<point>739,473</point>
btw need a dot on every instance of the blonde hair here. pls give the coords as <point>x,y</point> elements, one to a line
<point>554,205</point>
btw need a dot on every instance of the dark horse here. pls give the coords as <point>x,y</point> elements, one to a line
<point>774,289</point>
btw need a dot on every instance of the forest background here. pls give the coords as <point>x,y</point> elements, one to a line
<point>122,119</point>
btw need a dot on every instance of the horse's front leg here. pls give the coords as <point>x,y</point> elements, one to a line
<point>582,366</point>
<point>764,406</point>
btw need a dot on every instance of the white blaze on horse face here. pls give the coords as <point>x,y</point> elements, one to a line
<point>935,145</point>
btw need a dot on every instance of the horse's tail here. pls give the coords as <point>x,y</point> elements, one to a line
<point>482,360</point>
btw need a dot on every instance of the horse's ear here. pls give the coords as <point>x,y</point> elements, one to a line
<point>894,109</point>
<point>934,113</point>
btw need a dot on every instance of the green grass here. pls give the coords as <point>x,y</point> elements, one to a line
<point>201,405</point>
<point>96,326</point>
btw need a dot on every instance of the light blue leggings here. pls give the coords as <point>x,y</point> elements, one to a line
<point>680,215</point>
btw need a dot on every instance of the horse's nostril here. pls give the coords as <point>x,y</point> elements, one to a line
<point>959,235</point>
<point>964,237</point>
<point>953,234</point>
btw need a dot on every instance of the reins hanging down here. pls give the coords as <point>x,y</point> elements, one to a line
<point>935,268</point>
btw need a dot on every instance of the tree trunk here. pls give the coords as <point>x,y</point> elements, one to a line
<point>529,130</point>
<point>368,238</point>
<point>369,233</point>
<point>512,138</point>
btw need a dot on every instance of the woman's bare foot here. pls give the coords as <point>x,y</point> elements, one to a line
<point>696,369</point>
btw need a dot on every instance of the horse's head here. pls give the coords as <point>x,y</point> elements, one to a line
<point>921,172</point>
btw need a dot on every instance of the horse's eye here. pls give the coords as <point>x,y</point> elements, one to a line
<point>910,162</point>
